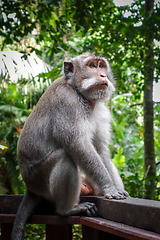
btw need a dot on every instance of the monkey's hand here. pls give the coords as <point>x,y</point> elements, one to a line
<point>88,208</point>
<point>112,193</point>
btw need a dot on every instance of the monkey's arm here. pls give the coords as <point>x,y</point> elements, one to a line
<point>103,175</point>
<point>79,146</point>
<point>117,181</point>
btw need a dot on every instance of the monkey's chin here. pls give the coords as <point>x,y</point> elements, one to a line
<point>96,94</point>
<point>98,90</point>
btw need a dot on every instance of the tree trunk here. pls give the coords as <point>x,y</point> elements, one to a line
<point>149,153</point>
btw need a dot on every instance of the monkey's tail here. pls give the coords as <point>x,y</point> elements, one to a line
<point>26,208</point>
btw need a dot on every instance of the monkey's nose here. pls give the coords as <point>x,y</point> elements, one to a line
<point>102,75</point>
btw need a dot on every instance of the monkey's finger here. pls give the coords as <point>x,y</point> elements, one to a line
<point>90,205</point>
<point>114,196</point>
<point>126,193</point>
<point>111,196</point>
<point>88,213</point>
<point>94,211</point>
<point>91,212</point>
<point>91,209</point>
<point>108,196</point>
<point>119,196</point>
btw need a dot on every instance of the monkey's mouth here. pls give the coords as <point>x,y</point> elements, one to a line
<point>102,85</point>
<point>99,86</point>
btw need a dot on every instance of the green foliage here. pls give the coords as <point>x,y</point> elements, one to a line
<point>63,29</point>
<point>157,145</point>
<point>127,147</point>
<point>51,19</point>
<point>35,231</point>
<point>13,114</point>
<point>127,143</point>
<point>69,28</point>
<point>77,232</point>
<point>15,107</point>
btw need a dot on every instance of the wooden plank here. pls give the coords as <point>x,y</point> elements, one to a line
<point>140,213</point>
<point>116,229</point>
<point>119,229</point>
<point>6,229</point>
<point>10,203</point>
<point>54,220</point>
<point>42,219</point>
<point>59,232</point>
<point>90,233</point>
<point>135,212</point>
<point>7,218</point>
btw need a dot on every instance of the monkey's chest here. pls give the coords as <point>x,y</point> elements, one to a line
<point>99,129</point>
<point>99,126</point>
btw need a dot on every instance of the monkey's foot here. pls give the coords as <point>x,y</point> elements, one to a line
<point>86,189</point>
<point>113,193</point>
<point>86,208</point>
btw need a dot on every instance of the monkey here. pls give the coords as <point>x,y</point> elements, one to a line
<point>64,144</point>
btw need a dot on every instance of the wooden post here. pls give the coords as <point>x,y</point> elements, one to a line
<point>6,229</point>
<point>58,232</point>
<point>89,233</point>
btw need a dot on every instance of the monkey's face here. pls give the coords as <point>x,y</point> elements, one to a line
<point>91,76</point>
<point>96,77</point>
<point>96,81</point>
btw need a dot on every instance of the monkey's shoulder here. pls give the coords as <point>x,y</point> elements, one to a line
<point>59,103</point>
<point>59,91</point>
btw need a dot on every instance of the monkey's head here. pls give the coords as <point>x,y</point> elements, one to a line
<point>90,75</point>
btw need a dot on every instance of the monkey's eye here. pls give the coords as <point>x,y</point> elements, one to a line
<point>92,64</point>
<point>101,65</point>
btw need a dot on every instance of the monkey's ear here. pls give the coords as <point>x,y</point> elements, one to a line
<point>68,68</point>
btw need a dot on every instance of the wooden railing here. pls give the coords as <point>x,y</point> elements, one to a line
<point>118,219</point>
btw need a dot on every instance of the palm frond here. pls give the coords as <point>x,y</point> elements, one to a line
<point>17,67</point>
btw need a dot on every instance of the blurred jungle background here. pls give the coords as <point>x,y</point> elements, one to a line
<point>37,36</point>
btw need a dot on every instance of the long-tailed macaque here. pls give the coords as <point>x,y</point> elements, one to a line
<point>65,141</point>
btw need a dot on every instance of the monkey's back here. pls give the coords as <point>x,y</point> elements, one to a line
<point>39,136</point>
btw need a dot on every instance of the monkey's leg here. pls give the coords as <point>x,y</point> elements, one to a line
<point>26,208</point>
<point>65,186</point>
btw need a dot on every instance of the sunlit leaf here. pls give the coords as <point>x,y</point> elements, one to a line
<point>18,67</point>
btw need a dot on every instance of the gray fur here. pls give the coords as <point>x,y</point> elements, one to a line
<point>66,137</point>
